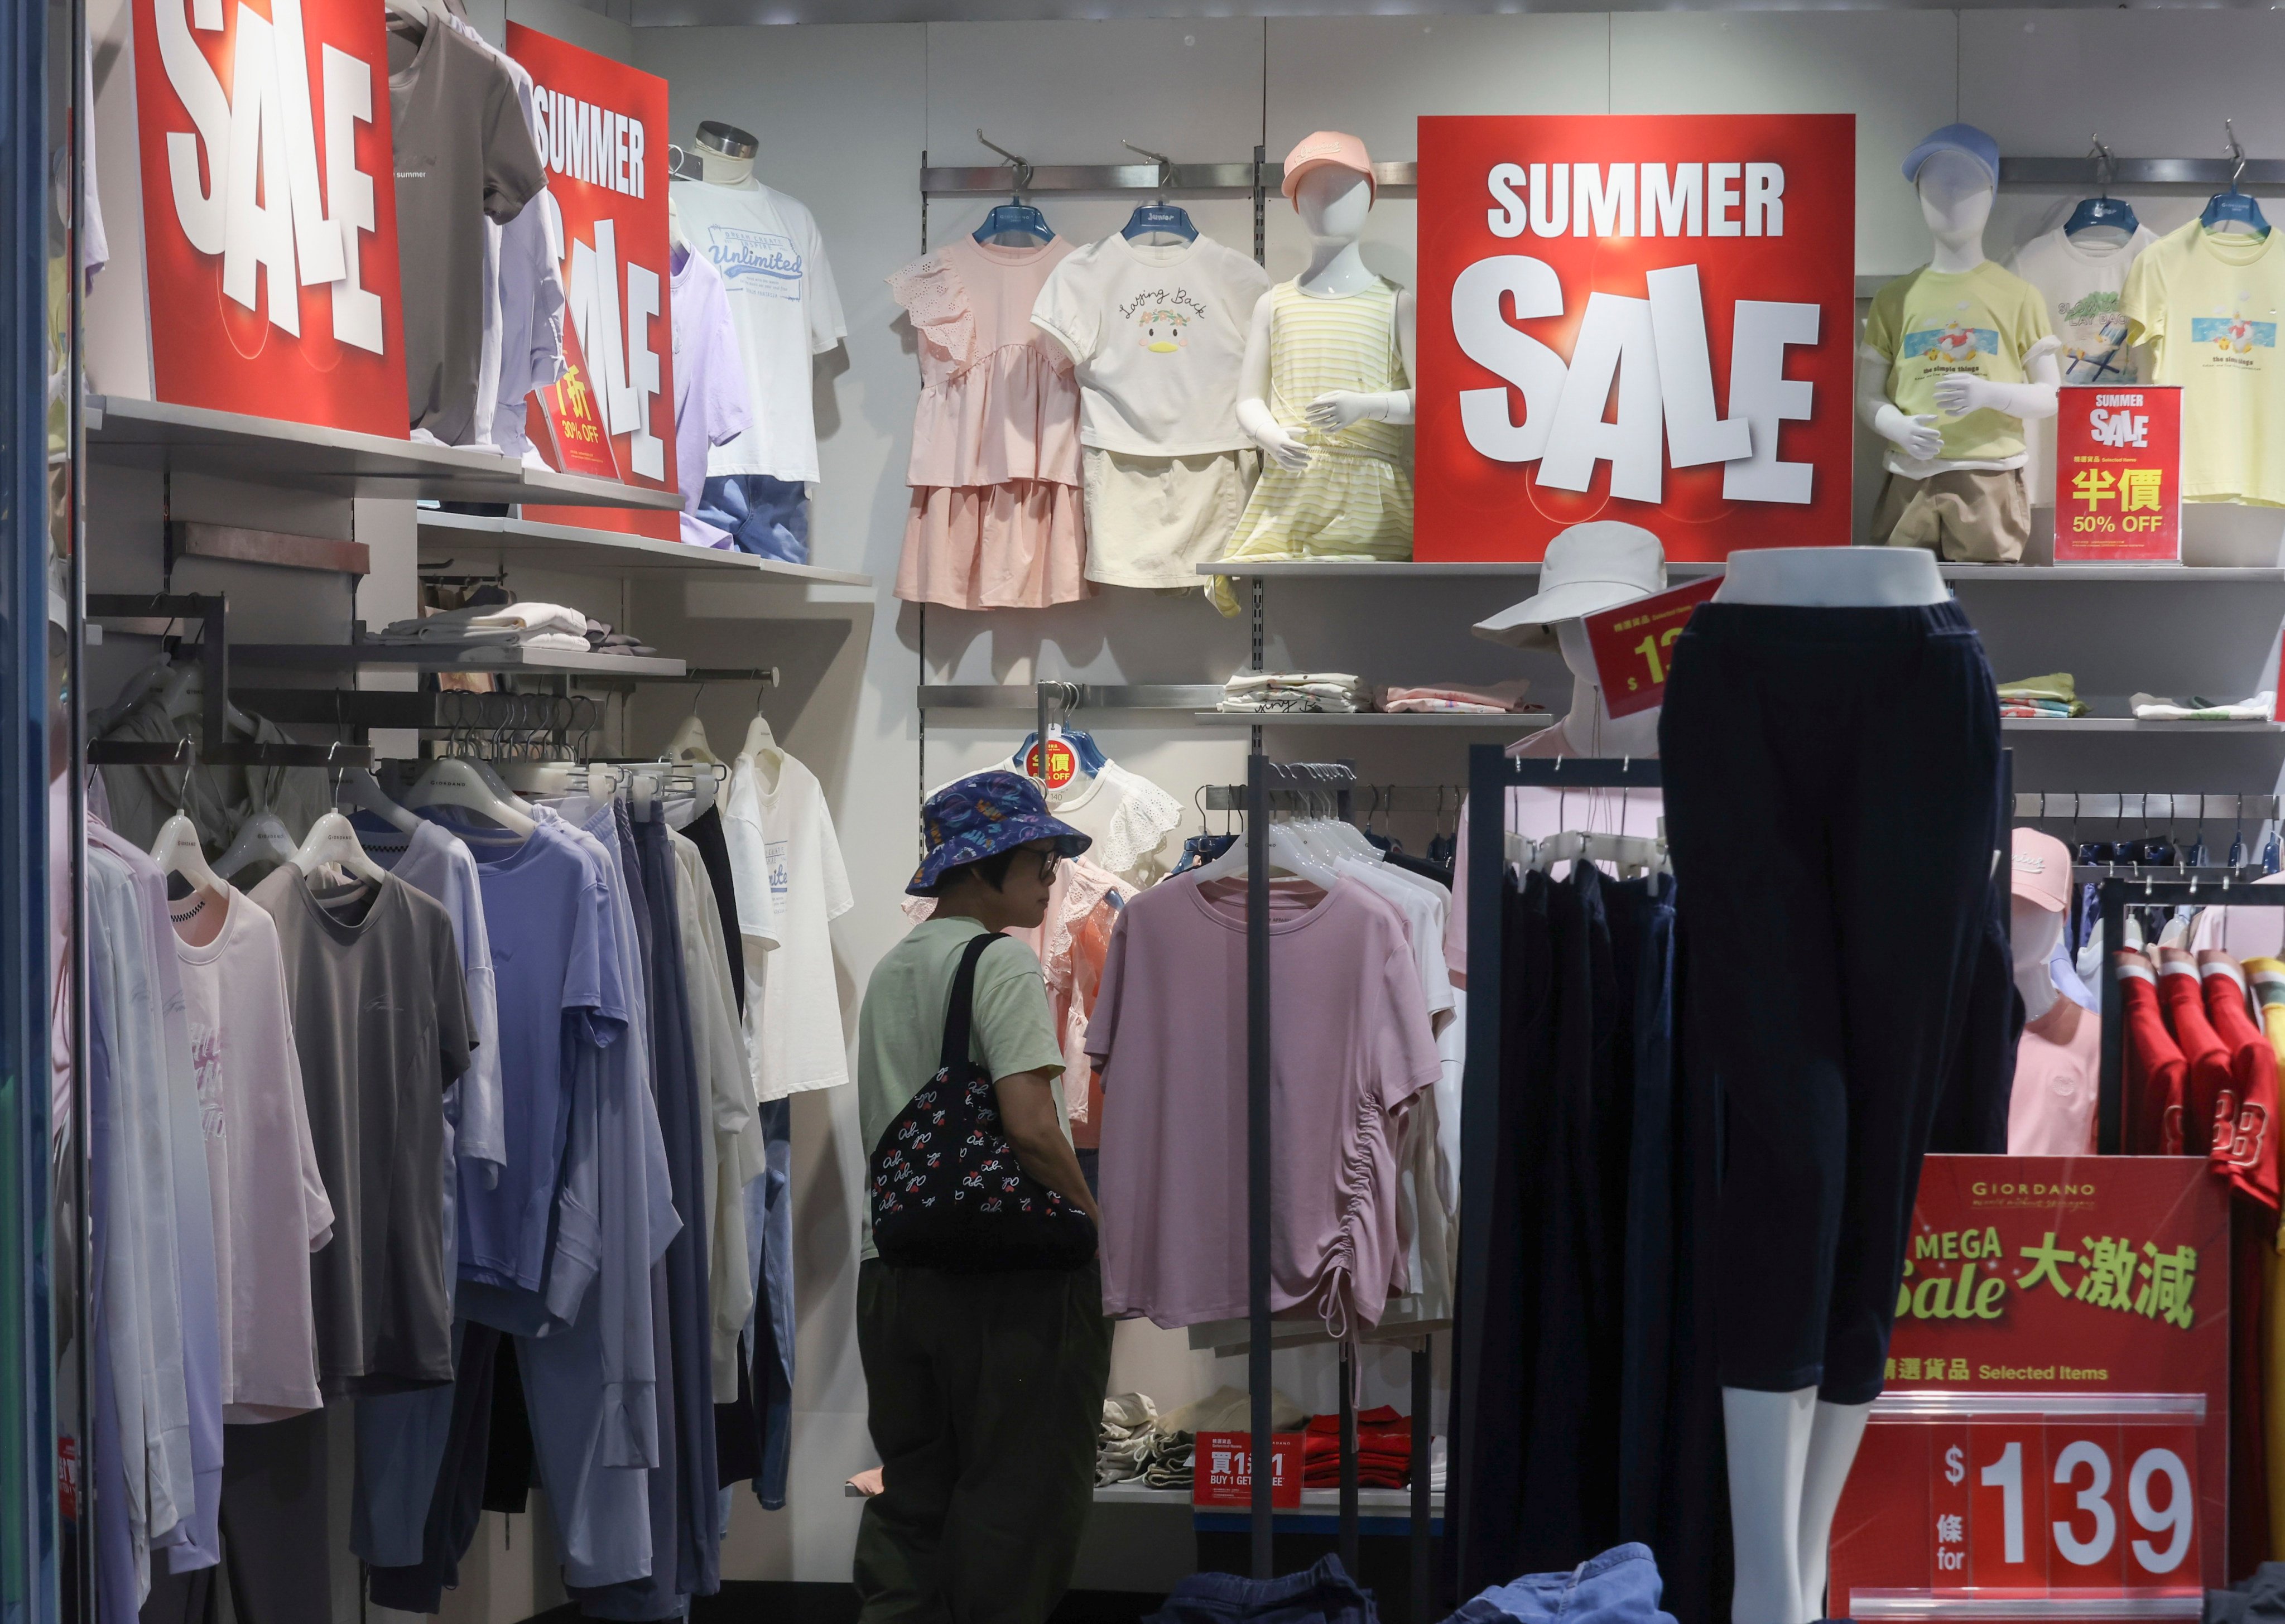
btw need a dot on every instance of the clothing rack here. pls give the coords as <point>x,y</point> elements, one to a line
<point>2115,894</point>
<point>2115,805</point>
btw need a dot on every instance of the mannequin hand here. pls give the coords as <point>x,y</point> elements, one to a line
<point>1917,437</point>
<point>1283,449</point>
<point>1331,413</point>
<point>1963,392</point>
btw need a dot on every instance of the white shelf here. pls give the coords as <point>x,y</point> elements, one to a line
<point>1334,569</point>
<point>565,546</point>
<point>400,657</point>
<point>1677,572</point>
<point>1370,1502</point>
<point>332,461</point>
<point>2128,724</point>
<point>1513,722</point>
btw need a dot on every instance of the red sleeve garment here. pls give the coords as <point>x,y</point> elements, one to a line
<point>2156,1070</point>
<point>2245,1140</point>
<point>2209,1078</point>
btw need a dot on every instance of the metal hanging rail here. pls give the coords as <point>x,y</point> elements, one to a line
<point>1091,695</point>
<point>1397,179</point>
<point>2127,806</point>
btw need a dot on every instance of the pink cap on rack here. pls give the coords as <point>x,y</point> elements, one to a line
<point>1327,146</point>
<point>2041,871</point>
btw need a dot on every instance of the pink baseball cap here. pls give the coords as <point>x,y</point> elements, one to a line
<point>2041,870</point>
<point>1327,146</point>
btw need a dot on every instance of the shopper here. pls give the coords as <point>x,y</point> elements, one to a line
<point>985,1389</point>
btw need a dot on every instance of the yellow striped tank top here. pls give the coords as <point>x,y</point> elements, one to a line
<point>1317,346</point>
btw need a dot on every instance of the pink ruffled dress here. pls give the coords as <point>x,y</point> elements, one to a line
<point>996,516</point>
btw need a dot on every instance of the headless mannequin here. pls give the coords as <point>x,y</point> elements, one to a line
<point>1334,203</point>
<point>1790,1454</point>
<point>2033,932</point>
<point>1589,727</point>
<point>720,167</point>
<point>1955,200</point>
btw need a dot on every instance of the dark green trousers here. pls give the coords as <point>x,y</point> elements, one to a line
<point>986,1402</point>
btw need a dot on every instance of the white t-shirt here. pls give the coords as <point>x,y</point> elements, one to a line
<point>2080,281</point>
<point>786,310</point>
<point>1157,335</point>
<point>1426,906</point>
<point>797,887</point>
<point>271,1210</point>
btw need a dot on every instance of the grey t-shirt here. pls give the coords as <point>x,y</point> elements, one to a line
<point>381,1018</point>
<point>463,151</point>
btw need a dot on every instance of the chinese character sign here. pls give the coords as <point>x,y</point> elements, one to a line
<point>2055,1422</point>
<point>270,210</point>
<point>1222,1472</point>
<point>600,127</point>
<point>2118,465</point>
<point>1648,318</point>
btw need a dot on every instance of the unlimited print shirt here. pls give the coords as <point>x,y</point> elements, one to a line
<point>1933,325</point>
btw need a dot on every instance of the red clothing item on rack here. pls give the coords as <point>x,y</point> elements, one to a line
<point>2183,997</point>
<point>2245,1126</point>
<point>2156,1071</point>
<point>1384,1450</point>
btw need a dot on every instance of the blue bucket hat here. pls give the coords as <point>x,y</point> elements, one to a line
<point>983,815</point>
<point>1956,139</point>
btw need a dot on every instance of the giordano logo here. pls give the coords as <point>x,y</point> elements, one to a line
<point>1985,1187</point>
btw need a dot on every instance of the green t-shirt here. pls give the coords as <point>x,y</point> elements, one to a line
<point>1984,323</point>
<point>900,1028</point>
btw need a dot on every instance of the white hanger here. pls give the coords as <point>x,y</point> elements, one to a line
<point>333,839</point>
<point>456,780</point>
<point>363,791</point>
<point>176,852</point>
<point>759,740</point>
<point>690,743</point>
<point>598,779</point>
<point>259,836</point>
<point>1286,851</point>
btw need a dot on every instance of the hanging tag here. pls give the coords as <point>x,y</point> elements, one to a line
<point>1633,644</point>
<point>1063,762</point>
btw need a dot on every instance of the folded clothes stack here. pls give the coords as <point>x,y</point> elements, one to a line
<point>2055,695</point>
<point>1123,1449</point>
<point>2259,708</point>
<point>494,625</point>
<point>1495,700</point>
<point>1384,1450</point>
<point>603,639</point>
<point>1287,692</point>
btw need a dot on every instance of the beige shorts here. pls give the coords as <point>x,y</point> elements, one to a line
<point>1965,516</point>
<point>1152,520</point>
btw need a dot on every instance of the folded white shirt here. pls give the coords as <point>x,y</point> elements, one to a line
<point>2259,708</point>
<point>450,626</point>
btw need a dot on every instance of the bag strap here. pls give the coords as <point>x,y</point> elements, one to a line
<point>959,1012</point>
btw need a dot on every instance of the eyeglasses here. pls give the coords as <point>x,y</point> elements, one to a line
<point>1047,863</point>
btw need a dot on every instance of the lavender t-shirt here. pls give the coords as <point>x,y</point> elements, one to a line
<point>709,385</point>
<point>1350,1048</point>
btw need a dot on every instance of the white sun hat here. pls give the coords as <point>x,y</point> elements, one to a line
<point>1589,567</point>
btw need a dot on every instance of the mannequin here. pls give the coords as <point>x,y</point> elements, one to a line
<point>2034,931</point>
<point>1954,175</point>
<point>1334,204</point>
<point>1833,577</point>
<point>725,154</point>
<point>1589,727</point>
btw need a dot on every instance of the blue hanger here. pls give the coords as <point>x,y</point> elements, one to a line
<point>1091,758</point>
<point>1162,217</point>
<point>1016,219</point>
<point>2232,207</point>
<point>2102,209</point>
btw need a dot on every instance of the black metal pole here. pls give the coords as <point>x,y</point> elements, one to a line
<point>1423,1426</point>
<point>1257,1150</point>
<point>1348,1461</point>
<point>2111,1102</point>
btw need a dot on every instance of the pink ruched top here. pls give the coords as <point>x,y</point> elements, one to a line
<point>998,402</point>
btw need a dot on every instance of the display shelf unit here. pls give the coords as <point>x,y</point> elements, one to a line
<point>1373,1501</point>
<point>2129,724</point>
<point>1679,571</point>
<point>395,656</point>
<point>1189,696</point>
<point>331,461</point>
<point>1510,723</point>
<point>571,547</point>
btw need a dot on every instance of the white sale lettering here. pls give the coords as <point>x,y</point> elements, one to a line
<point>617,345</point>
<point>246,179</point>
<point>1652,350</point>
<point>2114,423</point>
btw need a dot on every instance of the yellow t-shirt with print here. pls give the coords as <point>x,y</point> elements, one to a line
<point>2208,306</point>
<point>1984,323</point>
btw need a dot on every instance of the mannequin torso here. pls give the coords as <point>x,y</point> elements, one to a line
<point>2034,932</point>
<point>1833,577</point>
<point>1589,727</point>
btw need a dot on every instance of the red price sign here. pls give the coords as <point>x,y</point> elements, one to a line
<point>2118,475</point>
<point>2055,1426</point>
<point>1062,764</point>
<point>572,420</point>
<point>1634,644</point>
<point>1222,1472</point>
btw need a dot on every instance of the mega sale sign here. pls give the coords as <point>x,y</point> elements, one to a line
<point>1644,319</point>
<point>270,210</point>
<point>602,128</point>
<point>2055,1427</point>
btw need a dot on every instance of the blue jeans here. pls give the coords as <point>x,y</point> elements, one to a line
<point>1620,1587</point>
<point>1323,1594</point>
<point>764,515</point>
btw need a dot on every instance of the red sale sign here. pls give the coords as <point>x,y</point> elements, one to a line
<point>2118,475</point>
<point>1647,318</point>
<point>1633,644</point>
<point>602,128</point>
<point>1222,1472</point>
<point>270,210</point>
<point>2055,1426</point>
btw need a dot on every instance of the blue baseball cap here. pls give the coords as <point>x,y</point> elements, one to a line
<point>982,816</point>
<point>1955,138</point>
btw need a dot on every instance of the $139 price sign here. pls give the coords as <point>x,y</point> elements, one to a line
<point>2043,1505</point>
<point>1634,644</point>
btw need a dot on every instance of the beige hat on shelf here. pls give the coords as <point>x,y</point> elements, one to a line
<point>1589,567</point>
<point>1327,146</point>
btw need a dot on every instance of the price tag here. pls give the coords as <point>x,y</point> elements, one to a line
<point>2118,474</point>
<point>1634,644</point>
<point>1063,762</point>
<point>569,417</point>
<point>1222,1470</point>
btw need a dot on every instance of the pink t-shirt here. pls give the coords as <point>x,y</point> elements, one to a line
<point>2058,1064</point>
<point>1537,813</point>
<point>1350,1048</point>
<point>271,1210</point>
